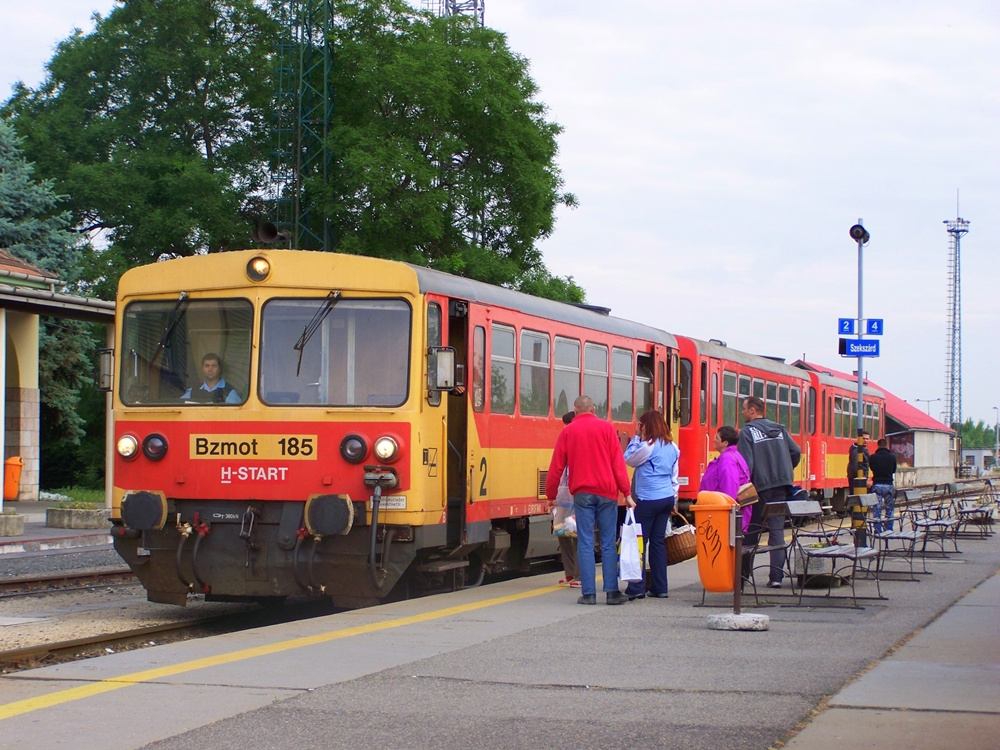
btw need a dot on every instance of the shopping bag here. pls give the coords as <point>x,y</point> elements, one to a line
<point>630,550</point>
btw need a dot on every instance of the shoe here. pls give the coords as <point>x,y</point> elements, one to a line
<point>774,584</point>
<point>660,596</point>
<point>575,584</point>
<point>587,599</point>
<point>616,597</point>
<point>567,581</point>
<point>633,597</point>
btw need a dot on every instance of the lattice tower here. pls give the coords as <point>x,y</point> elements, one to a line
<point>474,8</point>
<point>301,119</point>
<point>953,343</point>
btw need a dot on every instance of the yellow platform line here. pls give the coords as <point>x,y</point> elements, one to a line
<point>114,683</point>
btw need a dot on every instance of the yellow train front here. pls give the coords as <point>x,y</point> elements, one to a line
<point>288,422</point>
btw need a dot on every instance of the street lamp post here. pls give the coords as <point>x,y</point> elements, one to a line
<point>859,484</point>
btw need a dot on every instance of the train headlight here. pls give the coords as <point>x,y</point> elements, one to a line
<point>127,446</point>
<point>258,269</point>
<point>154,447</point>
<point>354,449</point>
<point>386,449</point>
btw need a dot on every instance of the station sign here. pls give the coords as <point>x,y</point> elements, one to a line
<point>859,347</point>
<point>845,326</point>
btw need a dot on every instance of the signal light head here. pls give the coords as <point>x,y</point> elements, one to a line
<point>258,268</point>
<point>354,449</point>
<point>386,449</point>
<point>154,447</point>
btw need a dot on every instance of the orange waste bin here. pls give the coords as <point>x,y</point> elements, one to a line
<point>715,533</point>
<point>12,477</point>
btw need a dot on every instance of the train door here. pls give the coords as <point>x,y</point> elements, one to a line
<point>713,397</point>
<point>457,424</point>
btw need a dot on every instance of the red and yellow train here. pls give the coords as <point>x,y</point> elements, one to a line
<point>386,428</point>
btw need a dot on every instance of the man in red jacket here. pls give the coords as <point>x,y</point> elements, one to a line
<point>591,449</point>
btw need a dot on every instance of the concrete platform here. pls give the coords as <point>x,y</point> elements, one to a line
<point>38,537</point>
<point>520,665</point>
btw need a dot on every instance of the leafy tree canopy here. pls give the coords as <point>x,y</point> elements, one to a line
<point>976,435</point>
<point>33,229</point>
<point>442,152</point>
<point>155,124</point>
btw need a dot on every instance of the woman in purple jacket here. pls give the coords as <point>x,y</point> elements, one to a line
<point>729,471</point>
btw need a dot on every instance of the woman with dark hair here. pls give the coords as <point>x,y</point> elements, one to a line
<point>654,455</point>
<point>728,472</point>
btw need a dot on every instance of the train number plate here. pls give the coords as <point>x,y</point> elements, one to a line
<point>282,447</point>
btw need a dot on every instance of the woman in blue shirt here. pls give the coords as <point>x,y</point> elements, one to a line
<point>654,455</point>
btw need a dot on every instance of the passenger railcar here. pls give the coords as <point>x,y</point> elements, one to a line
<point>390,430</point>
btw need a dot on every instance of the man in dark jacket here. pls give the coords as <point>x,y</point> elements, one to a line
<point>883,466</point>
<point>771,456</point>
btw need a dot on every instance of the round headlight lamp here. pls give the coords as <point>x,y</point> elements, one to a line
<point>259,268</point>
<point>354,449</point>
<point>154,447</point>
<point>127,446</point>
<point>386,449</point>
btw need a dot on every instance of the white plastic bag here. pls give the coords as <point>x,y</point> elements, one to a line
<point>630,550</point>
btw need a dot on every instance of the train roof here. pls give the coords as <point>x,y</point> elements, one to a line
<point>439,282</point>
<point>767,364</point>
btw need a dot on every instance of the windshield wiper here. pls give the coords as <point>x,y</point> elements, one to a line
<point>307,333</point>
<point>172,320</point>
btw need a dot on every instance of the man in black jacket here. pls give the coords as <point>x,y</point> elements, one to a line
<point>771,456</point>
<point>883,466</point>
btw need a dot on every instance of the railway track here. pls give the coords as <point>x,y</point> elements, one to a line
<point>63,581</point>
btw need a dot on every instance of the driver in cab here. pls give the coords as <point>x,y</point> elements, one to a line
<point>214,388</point>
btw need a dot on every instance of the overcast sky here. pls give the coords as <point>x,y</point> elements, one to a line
<point>720,152</point>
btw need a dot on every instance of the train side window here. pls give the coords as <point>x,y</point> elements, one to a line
<point>703,393</point>
<point>433,339</point>
<point>745,392</point>
<point>784,417</point>
<point>595,377</point>
<point>621,385</point>
<point>838,416</point>
<point>713,400</point>
<point>730,399</point>
<point>812,410</point>
<point>685,383</point>
<point>771,402</point>
<point>829,415</point>
<point>876,423</point>
<point>534,383</point>
<point>478,369</point>
<point>796,411</point>
<point>566,375</point>
<point>502,369</point>
<point>662,390</point>
<point>852,419</point>
<point>643,383</point>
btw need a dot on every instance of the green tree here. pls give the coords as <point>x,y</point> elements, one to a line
<point>442,153</point>
<point>156,125</point>
<point>33,229</point>
<point>976,435</point>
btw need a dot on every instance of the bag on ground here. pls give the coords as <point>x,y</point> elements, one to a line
<point>630,550</point>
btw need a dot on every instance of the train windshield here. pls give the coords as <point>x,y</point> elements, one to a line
<point>351,353</point>
<point>185,351</point>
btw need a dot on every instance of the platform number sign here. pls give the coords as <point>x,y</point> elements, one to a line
<point>874,327</point>
<point>845,326</point>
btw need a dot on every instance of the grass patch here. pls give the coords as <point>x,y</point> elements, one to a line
<point>80,498</point>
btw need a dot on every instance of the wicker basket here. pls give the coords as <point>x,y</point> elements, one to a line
<point>683,545</point>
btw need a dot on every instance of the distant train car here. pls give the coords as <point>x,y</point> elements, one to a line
<point>833,410</point>
<point>818,409</point>
<point>713,382</point>
<point>384,428</point>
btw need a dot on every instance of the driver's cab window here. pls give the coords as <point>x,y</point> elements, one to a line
<point>184,351</point>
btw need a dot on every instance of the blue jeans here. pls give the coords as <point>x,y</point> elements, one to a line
<point>652,515</point>
<point>594,510</point>
<point>886,495</point>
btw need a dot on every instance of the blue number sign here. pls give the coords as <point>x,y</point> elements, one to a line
<point>874,327</point>
<point>845,325</point>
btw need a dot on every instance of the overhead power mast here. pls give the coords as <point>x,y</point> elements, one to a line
<point>953,339</point>
<point>301,120</point>
<point>474,8</point>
